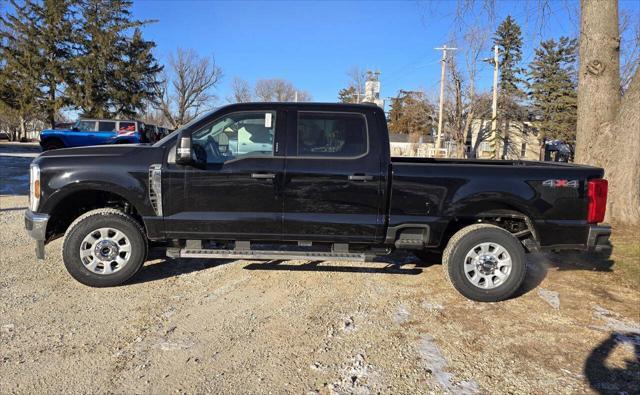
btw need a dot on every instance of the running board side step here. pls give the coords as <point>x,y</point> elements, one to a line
<point>267,255</point>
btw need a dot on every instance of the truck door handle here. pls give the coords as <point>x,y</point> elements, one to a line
<point>360,177</point>
<point>263,176</point>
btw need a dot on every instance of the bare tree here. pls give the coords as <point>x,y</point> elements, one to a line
<point>240,91</point>
<point>357,80</point>
<point>465,105</point>
<point>279,90</point>
<point>188,91</point>
<point>629,48</point>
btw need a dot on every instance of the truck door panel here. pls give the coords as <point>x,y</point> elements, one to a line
<point>237,195</point>
<point>332,187</point>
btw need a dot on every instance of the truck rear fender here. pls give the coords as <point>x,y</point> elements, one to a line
<point>512,216</point>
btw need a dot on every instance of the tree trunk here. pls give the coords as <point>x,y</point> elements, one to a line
<point>608,130</point>
<point>51,116</point>
<point>621,160</point>
<point>23,130</point>
<point>599,76</point>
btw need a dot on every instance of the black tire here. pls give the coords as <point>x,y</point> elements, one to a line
<point>463,242</point>
<point>52,144</point>
<point>91,221</point>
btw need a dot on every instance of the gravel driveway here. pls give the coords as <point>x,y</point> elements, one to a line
<point>305,327</point>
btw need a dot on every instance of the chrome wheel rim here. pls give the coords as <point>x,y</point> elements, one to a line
<point>487,265</point>
<point>105,251</point>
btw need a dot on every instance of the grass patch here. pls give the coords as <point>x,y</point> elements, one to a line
<point>626,254</point>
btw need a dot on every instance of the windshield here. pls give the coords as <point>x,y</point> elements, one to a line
<point>175,132</point>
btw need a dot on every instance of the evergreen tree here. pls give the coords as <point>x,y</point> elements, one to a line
<point>43,30</point>
<point>347,95</point>
<point>136,83</point>
<point>19,64</point>
<point>411,113</point>
<point>553,89</point>
<point>112,73</point>
<point>508,38</point>
<point>53,36</point>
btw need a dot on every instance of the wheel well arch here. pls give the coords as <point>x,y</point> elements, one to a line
<point>504,215</point>
<point>81,201</point>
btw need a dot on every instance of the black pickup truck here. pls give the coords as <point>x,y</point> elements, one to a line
<point>307,181</point>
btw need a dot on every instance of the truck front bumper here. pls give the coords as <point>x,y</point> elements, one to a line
<point>36,225</point>
<point>598,239</point>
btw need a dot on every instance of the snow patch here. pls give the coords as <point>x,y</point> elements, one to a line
<point>435,362</point>
<point>551,297</point>
<point>402,315</point>
<point>174,345</point>
<point>613,322</point>
<point>432,306</point>
<point>357,377</point>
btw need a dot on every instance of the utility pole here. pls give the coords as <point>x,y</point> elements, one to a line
<point>444,49</point>
<point>494,105</point>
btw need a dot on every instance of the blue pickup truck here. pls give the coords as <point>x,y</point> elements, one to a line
<point>94,132</point>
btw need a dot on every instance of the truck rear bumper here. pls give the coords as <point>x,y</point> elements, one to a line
<point>36,225</point>
<point>597,241</point>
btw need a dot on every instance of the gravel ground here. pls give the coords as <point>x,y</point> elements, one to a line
<point>307,327</point>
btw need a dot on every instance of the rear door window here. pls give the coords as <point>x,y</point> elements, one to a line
<point>106,126</point>
<point>327,134</point>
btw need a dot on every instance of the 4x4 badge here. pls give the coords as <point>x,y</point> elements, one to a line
<point>561,183</point>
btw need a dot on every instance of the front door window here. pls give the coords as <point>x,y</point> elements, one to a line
<point>237,135</point>
<point>86,126</point>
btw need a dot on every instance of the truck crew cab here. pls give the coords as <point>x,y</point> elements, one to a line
<point>307,181</point>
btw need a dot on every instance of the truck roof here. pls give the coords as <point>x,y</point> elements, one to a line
<point>314,105</point>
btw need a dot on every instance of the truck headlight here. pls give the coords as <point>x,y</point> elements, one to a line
<point>34,187</point>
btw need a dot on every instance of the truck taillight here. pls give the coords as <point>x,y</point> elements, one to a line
<point>597,193</point>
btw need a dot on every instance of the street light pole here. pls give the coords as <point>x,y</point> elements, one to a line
<point>494,105</point>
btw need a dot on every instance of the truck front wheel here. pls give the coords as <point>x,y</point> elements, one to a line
<point>104,247</point>
<point>485,263</point>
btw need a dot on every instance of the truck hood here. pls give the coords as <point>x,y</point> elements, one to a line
<point>95,150</point>
<point>55,131</point>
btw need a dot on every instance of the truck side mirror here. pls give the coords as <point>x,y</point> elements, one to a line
<point>184,153</point>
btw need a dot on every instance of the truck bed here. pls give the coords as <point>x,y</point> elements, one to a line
<point>485,162</point>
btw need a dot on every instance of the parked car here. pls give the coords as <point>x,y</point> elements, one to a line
<point>155,132</point>
<point>93,132</point>
<point>308,181</point>
<point>4,136</point>
<point>558,151</point>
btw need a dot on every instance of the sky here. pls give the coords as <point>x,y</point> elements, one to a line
<point>314,43</point>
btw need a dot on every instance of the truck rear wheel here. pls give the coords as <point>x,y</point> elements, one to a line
<point>485,263</point>
<point>104,247</point>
